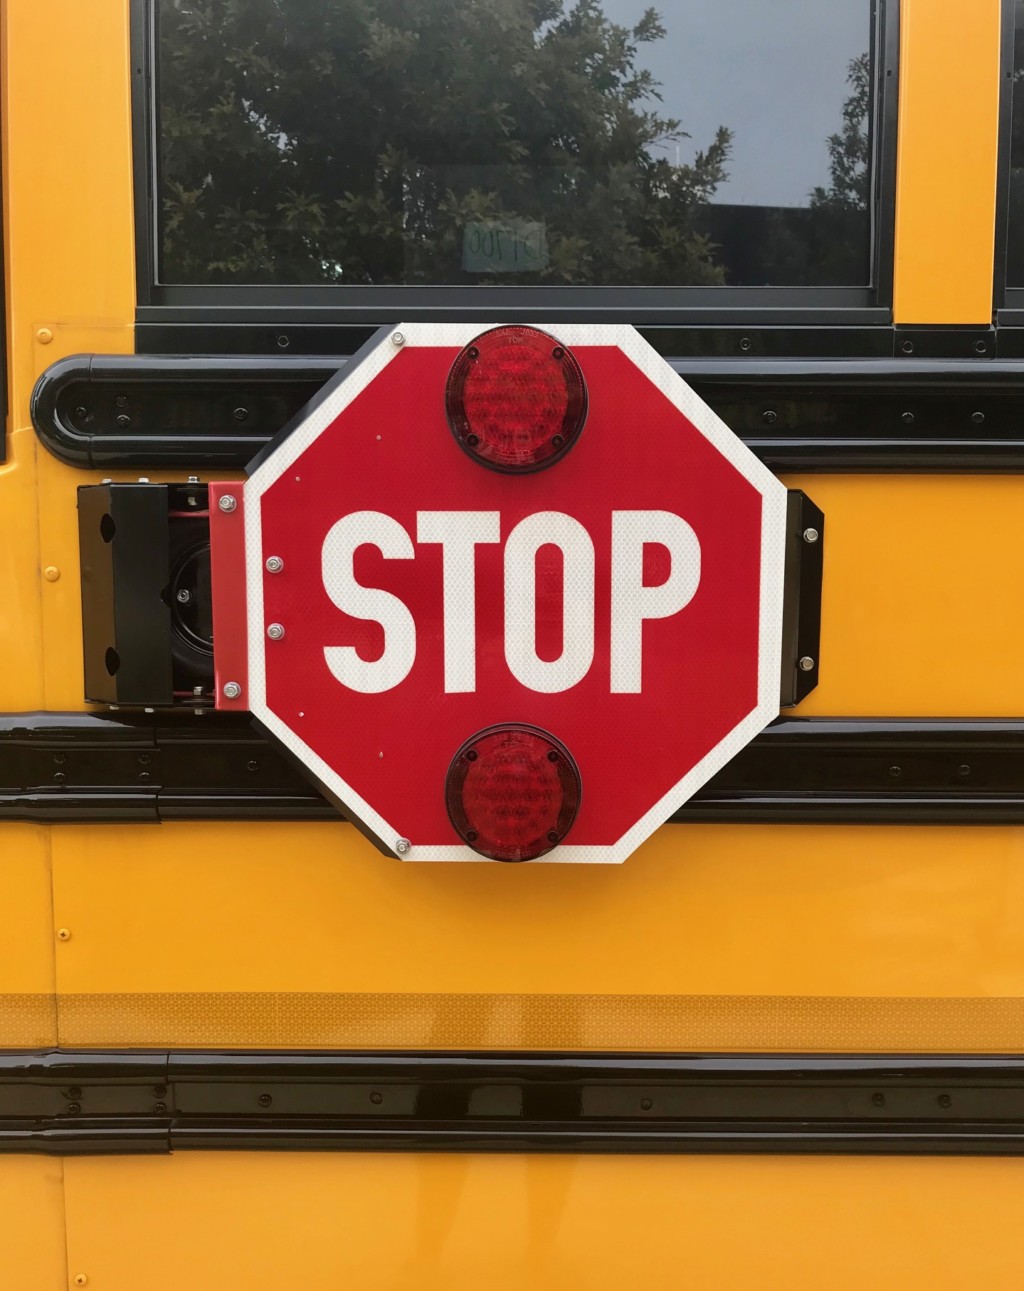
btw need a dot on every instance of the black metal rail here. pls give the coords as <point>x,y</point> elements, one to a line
<point>119,767</point>
<point>65,1102</point>
<point>206,413</point>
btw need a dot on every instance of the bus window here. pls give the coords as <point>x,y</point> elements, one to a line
<point>515,143</point>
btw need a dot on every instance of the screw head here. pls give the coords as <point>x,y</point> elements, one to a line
<point>51,573</point>
<point>63,934</point>
<point>184,596</point>
<point>811,535</point>
<point>274,564</point>
<point>265,1100</point>
<point>232,690</point>
<point>227,503</point>
<point>80,1279</point>
<point>123,420</point>
<point>275,631</point>
<point>806,663</point>
<point>44,335</point>
<point>978,418</point>
<point>907,418</point>
<point>769,417</point>
<point>240,413</point>
<point>402,846</point>
<point>397,338</point>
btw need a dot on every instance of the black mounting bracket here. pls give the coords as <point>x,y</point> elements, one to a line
<point>146,604</point>
<point>801,612</point>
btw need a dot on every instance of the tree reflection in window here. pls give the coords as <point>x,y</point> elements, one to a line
<point>362,142</point>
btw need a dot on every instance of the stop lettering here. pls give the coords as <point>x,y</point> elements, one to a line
<point>459,533</point>
<point>512,593</point>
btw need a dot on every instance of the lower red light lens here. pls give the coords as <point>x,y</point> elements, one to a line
<point>512,792</point>
<point>516,399</point>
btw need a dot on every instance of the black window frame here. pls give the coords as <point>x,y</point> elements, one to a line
<point>160,306</point>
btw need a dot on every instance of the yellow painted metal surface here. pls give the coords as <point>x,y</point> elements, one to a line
<point>32,1224</point>
<point>947,160</point>
<point>28,1016</point>
<point>461,1223</point>
<point>70,289</point>
<point>276,934</point>
<point>916,615</point>
<point>68,178</point>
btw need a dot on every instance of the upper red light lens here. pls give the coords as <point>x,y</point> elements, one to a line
<point>516,399</point>
<point>512,792</point>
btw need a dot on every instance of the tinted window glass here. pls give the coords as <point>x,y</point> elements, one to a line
<point>514,141</point>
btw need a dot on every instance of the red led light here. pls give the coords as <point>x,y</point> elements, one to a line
<point>512,792</point>
<point>516,399</point>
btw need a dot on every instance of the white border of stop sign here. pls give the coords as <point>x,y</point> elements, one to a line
<point>455,336</point>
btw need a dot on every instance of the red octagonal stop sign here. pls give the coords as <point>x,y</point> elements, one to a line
<point>623,601</point>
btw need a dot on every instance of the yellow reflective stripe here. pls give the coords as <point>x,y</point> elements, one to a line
<point>28,1021</point>
<point>322,1020</point>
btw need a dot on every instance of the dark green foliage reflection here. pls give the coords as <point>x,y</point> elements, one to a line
<point>463,141</point>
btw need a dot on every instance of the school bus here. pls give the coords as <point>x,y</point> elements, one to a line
<point>781,1045</point>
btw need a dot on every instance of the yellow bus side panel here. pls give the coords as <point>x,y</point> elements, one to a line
<point>947,157</point>
<point>27,1010</point>
<point>32,1224</point>
<point>461,1223</point>
<point>708,937</point>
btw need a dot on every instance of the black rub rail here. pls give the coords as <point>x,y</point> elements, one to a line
<point>67,1102</point>
<point>208,412</point>
<point>120,767</point>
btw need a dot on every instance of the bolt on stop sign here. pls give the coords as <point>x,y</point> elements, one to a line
<point>512,592</point>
